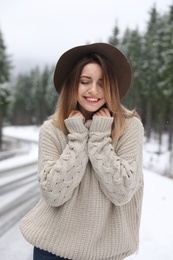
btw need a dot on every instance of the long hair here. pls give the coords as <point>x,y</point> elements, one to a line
<point>68,97</point>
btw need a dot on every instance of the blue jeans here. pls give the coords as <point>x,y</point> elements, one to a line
<point>40,254</point>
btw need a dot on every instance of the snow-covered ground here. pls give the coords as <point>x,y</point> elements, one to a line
<point>162,162</point>
<point>28,133</point>
<point>156,233</point>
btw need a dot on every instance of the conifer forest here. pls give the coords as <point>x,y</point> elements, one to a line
<point>29,98</point>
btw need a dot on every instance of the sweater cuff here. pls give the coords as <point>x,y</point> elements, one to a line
<point>75,125</point>
<point>101,124</point>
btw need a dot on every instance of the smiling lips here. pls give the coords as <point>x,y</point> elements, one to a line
<point>92,99</point>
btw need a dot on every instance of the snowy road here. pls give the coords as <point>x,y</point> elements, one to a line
<point>19,191</point>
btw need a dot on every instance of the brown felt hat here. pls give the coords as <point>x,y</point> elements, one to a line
<point>119,63</point>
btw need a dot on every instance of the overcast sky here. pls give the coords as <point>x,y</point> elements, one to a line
<point>39,31</point>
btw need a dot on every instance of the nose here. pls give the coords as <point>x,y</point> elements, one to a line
<point>93,88</point>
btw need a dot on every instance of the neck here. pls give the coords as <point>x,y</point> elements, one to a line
<point>86,114</point>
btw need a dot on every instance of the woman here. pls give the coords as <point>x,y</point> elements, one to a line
<point>90,162</point>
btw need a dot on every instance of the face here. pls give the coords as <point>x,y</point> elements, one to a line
<point>90,90</point>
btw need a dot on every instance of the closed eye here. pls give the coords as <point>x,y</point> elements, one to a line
<point>84,82</point>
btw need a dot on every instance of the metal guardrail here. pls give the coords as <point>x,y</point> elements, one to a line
<point>19,192</point>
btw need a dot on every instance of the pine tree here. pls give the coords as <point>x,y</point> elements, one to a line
<point>43,93</point>
<point>51,96</point>
<point>166,75</point>
<point>150,67</point>
<point>21,106</point>
<point>34,97</point>
<point>114,39</point>
<point>4,77</point>
<point>132,43</point>
<point>5,65</point>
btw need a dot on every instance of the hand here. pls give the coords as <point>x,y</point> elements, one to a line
<point>76,113</point>
<point>103,112</point>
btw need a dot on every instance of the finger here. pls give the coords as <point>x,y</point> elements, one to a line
<point>73,112</point>
<point>107,112</point>
<point>76,113</point>
<point>103,112</point>
<point>99,114</point>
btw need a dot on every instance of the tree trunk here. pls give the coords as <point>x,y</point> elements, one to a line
<point>170,129</point>
<point>1,118</point>
<point>160,132</point>
<point>148,119</point>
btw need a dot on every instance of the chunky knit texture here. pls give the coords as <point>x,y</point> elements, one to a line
<point>91,191</point>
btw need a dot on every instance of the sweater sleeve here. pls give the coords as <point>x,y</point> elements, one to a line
<point>62,168</point>
<point>119,171</point>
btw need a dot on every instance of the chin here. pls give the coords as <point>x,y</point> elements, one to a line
<point>92,110</point>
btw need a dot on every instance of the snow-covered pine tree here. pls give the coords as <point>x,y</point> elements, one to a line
<point>5,67</point>
<point>150,67</point>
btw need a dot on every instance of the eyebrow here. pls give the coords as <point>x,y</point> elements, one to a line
<point>88,77</point>
<point>85,77</point>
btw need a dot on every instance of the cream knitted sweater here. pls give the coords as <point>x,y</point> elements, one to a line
<point>91,188</point>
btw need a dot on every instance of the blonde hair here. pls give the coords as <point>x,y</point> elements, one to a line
<point>68,97</point>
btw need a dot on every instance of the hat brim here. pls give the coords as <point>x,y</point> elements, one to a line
<point>119,63</point>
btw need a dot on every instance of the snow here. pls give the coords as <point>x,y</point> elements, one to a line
<point>14,247</point>
<point>162,162</point>
<point>27,133</point>
<point>156,232</point>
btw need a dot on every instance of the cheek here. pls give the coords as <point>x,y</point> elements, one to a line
<point>79,97</point>
<point>80,91</point>
<point>102,93</point>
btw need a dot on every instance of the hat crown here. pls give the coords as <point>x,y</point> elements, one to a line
<point>119,63</point>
